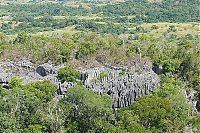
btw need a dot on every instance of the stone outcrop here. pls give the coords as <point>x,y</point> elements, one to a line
<point>122,84</point>
<point>192,98</point>
<point>27,72</point>
<point>123,88</point>
<point>4,80</point>
<point>45,69</point>
<point>62,88</point>
<point>157,69</point>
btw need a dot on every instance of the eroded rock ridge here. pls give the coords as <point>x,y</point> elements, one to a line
<point>123,86</point>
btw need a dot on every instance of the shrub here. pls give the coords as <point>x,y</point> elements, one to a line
<point>68,74</point>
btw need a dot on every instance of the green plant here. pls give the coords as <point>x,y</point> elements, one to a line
<point>68,74</point>
<point>102,75</point>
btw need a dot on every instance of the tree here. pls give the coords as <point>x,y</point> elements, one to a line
<point>22,38</point>
<point>90,111</point>
<point>15,82</point>
<point>127,121</point>
<point>171,89</point>
<point>47,18</point>
<point>152,111</point>
<point>22,107</point>
<point>9,123</point>
<point>44,90</point>
<point>86,49</point>
<point>65,52</point>
<point>68,74</point>
<point>37,128</point>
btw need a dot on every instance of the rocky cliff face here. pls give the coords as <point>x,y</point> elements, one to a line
<point>27,71</point>
<point>123,86</point>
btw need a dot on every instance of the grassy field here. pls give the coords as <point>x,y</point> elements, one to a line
<point>182,29</point>
<point>91,17</point>
<point>70,30</point>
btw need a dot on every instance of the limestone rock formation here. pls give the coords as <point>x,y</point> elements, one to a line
<point>27,72</point>
<point>4,80</point>
<point>157,69</point>
<point>124,89</point>
<point>62,88</point>
<point>122,84</point>
<point>45,69</point>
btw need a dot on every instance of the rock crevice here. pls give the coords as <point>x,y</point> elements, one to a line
<point>124,89</point>
<point>123,86</point>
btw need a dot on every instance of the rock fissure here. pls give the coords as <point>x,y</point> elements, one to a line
<point>124,88</point>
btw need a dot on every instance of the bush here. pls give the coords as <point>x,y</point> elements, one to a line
<point>86,49</point>
<point>103,75</point>
<point>68,74</point>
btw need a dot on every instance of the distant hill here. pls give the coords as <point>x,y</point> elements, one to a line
<point>154,10</point>
<point>26,1</point>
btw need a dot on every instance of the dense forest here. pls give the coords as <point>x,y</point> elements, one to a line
<point>150,37</point>
<point>167,10</point>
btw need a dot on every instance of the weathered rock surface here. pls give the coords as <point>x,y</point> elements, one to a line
<point>157,69</point>
<point>124,89</point>
<point>46,69</point>
<point>27,72</point>
<point>123,86</point>
<point>4,80</point>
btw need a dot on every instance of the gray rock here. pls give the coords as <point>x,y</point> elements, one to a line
<point>124,90</point>
<point>44,69</point>
<point>62,88</point>
<point>157,69</point>
<point>47,69</point>
<point>4,80</point>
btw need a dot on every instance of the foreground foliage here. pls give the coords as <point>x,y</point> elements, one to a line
<point>33,108</point>
<point>118,37</point>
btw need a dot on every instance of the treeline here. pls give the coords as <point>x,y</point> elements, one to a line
<point>102,28</point>
<point>48,23</point>
<point>51,9</point>
<point>144,11</point>
<point>34,108</point>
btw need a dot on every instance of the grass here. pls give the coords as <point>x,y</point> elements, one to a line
<point>70,30</point>
<point>182,29</point>
<point>73,4</point>
<point>91,17</point>
<point>59,17</point>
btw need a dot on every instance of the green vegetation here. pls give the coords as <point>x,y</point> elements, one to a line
<point>77,34</point>
<point>103,75</point>
<point>144,11</point>
<point>68,74</point>
<point>164,110</point>
<point>110,18</point>
<point>31,107</point>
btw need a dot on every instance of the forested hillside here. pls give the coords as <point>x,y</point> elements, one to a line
<point>49,16</point>
<point>143,11</point>
<point>97,66</point>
